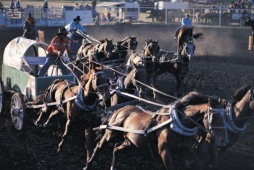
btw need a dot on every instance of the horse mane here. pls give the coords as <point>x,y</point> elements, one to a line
<point>126,38</point>
<point>195,98</point>
<point>149,41</point>
<point>192,98</point>
<point>102,41</point>
<point>240,92</point>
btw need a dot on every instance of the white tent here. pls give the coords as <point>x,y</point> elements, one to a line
<point>22,47</point>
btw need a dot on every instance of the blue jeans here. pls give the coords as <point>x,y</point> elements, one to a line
<point>51,60</point>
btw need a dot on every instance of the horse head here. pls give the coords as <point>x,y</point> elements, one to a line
<point>151,49</point>
<point>132,43</point>
<point>244,97</point>
<point>97,83</point>
<point>108,47</point>
<point>207,111</point>
<point>214,122</point>
<point>139,78</point>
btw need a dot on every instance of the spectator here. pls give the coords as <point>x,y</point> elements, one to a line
<point>58,45</point>
<point>12,6</point>
<point>45,6</point>
<point>94,3</point>
<point>250,5</point>
<point>82,7</point>
<point>18,6</point>
<point>1,6</point>
<point>109,17</point>
<point>76,6</point>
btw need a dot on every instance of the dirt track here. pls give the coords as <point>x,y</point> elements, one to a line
<point>221,65</point>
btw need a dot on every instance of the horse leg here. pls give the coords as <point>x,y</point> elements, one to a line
<point>178,85</point>
<point>166,156</point>
<point>50,116</point>
<point>153,85</point>
<point>67,125</point>
<point>119,147</point>
<point>96,149</point>
<point>88,144</point>
<point>40,113</point>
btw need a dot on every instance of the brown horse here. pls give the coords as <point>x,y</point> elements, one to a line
<point>122,47</point>
<point>89,53</point>
<point>157,131</point>
<point>177,64</point>
<point>99,52</point>
<point>81,102</point>
<point>130,84</point>
<point>237,113</point>
<point>145,59</point>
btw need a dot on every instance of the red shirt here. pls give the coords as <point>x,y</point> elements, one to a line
<point>57,45</point>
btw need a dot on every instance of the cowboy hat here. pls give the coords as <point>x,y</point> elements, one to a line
<point>62,31</point>
<point>77,18</point>
<point>186,14</point>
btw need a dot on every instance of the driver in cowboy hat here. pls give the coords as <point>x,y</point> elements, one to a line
<point>186,22</point>
<point>58,45</point>
<point>75,25</point>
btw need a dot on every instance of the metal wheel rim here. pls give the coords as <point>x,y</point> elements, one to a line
<point>1,97</point>
<point>17,111</point>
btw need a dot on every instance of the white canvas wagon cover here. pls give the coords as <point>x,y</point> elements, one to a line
<point>21,47</point>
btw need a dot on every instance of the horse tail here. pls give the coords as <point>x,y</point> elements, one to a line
<point>198,36</point>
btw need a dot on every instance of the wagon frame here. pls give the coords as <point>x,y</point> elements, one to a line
<point>22,60</point>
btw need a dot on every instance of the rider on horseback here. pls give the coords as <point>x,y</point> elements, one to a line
<point>186,22</point>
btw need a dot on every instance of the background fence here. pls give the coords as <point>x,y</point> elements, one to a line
<point>213,16</point>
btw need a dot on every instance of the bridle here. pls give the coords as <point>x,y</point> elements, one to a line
<point>210,113</point>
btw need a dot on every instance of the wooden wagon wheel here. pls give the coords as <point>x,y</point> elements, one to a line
<point>2,97</point>
<point>18,110</point>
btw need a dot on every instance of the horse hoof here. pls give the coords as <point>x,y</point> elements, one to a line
<point>36,124</point>
<point>45,125</point>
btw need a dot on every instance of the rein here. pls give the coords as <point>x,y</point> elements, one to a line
<point>152,88</point>
<point>174,121</point>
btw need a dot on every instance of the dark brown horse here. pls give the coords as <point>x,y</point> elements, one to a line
<point>177,64</point>
<point>89,53</point>
<point>99,52</point>
<point>130,84</point>
<point>145,59</point>
<point>122,48</point>
<point>81,102</point>
<point>237,114</point>
<point>158,132</point>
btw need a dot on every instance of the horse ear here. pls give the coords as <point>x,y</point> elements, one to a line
<point>106,39</point>
<point>156,40</point>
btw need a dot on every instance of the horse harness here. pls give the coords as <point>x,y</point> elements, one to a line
<point>174,121</point>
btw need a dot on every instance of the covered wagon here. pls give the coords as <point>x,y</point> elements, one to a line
<point>22,59</point>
